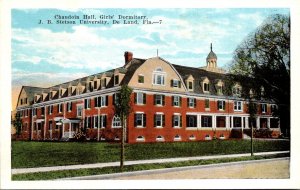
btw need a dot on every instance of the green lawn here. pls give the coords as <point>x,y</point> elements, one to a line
<point>130,168</point>
<point>39,154</point>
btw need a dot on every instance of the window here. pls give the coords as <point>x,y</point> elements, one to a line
<point>191,121</point>
<point>206,121</point>
<point>21,101</point>
<point>95,122</point>
<point>61,93</point>
<point>192,137</point>
<point>116,122</point>
<point>236,91</point>
<point>160,138</point>
<point>220,89</point>
<point>50,126</point>
<point>177,138</point>
<point>116,98</point>
<point>221,105</point>
<point>87,122</point>
<point>206,87</point>
<point>90,86</point>
<point>274,108</point>
<point>176,101</point>
<point>116,80</point>
<point>140,79</point>
<point>70,91</point>
<point>69,106</point>
<point>50,109</point>
<point>103,83</point>
<point>263,108</point>
<point>140,120</point>
<point>159,99</point>
<point>175,83</point>
<point>87,103</point>
<point>95,85</point>
<point>237,122</point>
<point>60,107</point>
<point>34,111</point>
<point>104,101</point>
<point>159,120</point>
<point>177,121</point>
<point>158,77</point>
<point>191,102</point>
<point>190,85</point>
<point>140,139</point>
<point>102,121</point>
<point>221,121</point>
<point>207,103</point>
<point>25,100</point>
<point>237,106</point>
<point>42,110</point>
<point>140,98</point>
<point>79,110</point>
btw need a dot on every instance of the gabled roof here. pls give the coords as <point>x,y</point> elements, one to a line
<point>198,75</point>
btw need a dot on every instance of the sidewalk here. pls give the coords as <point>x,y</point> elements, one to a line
<point>108,164</point>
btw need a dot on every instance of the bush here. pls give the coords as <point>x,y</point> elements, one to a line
<point>80,136</point>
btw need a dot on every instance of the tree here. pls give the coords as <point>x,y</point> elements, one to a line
<point>123,109</point>
<point>262,60</point>
<point>17,123</point>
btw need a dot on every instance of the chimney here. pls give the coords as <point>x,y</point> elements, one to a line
<point>128,56</point>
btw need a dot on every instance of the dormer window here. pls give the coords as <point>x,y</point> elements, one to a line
<point>206,87</point>
<point>95,85</point>
<point>236,90</point>
<point>70,91</point>
<point>116,80</point>
<point>61,93</point>
<point>190,85</point>
<point>159,77</point>
<point>50,95</point>
<point>103,83</point>
<point>90,86</point>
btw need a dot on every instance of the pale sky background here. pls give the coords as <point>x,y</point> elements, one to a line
<point>45,55</point>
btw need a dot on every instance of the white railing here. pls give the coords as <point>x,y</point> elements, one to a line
<point>69,134</point>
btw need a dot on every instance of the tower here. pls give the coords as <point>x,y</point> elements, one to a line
<point>211,60</point>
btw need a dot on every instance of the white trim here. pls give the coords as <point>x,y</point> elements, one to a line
<point>159,113</point>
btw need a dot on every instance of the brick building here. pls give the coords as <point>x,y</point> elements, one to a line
<point>169,103</point>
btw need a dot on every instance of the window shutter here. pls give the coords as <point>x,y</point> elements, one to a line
<point>154,99</point>
<point>172,100</point>
<point>96,101</point>
<point>144,98</point>
<point>224,105</point>
<point>135,123</point>
<point>106,102</point>
<point>180,117</point>
<point>188,102</point>
<point>144,120</point>
<point>195,102</point>
<point>84,103</point>
<point>163,99</point>
<point>179,101</point>
<point>135,97</point>
<point>100,121</point>
<point>163,120</point>
<point>173,120</point>
<point>104,121</point>
<point>179,84</point>
<point>154,123</point>
<point>114,99</point>
<point>172,83</point>
<point>187,121</point>
<point>91,121</point>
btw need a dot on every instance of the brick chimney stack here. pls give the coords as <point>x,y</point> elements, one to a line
<point>128,56</point>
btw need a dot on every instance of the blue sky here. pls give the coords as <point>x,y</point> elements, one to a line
<point>44,55</point>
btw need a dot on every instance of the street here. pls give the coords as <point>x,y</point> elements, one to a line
<point>264,169</point>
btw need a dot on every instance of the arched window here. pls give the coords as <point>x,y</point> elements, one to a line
<point>160,138</point>
<point>140,139</point>
<point>177,138</point>
<point>192,137</point>
<point>116,122</point>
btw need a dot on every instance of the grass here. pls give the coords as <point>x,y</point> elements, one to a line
<point>109,170</point>
<point>40,154</point>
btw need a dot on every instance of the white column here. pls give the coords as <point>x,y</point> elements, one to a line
<point>199,121</point>
<point>63,129</point>
<point>231,126</point>
<point>247,122</point>
<point>227,122</point>
<point>31,124</point>
<point>242,123</point>
<point>70,126</point>
<point>268,123</point>
<point>45,123</point>
<point>258,122</point>
<point>214,121</point>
